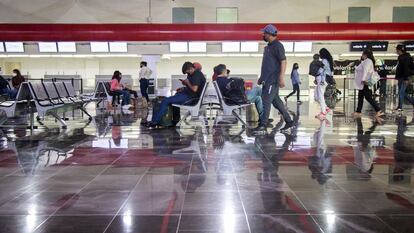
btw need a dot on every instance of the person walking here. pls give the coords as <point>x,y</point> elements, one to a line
<point>382,72</point>
<point>404,70</point>
<point>294,76</point>
<point>324,76</point>
<point>273,77</point>
<point>144,75</point>
<point>362,73</point>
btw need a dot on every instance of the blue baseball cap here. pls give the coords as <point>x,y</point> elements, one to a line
<point>270,29</point>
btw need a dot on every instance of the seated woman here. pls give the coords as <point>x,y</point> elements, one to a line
<point>193,87</point>
<point>118,88</point>
<point>17,80</point>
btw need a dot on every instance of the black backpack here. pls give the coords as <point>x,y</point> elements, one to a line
<point>236,91</point>
<point>314,67</point>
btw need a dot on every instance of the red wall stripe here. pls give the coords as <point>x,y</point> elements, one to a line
<point>204,32</point>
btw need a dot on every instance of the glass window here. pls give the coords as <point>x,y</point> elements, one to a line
<point>183,15</point>
<point>403,14</point>
<point>359,14</point>
<point>227,15</point>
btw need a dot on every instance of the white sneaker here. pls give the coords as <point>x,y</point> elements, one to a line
<point>126,107</point>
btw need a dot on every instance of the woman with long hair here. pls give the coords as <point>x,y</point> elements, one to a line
<point>118,88</point>
<point>325,74</point>
<point>362,73</point>
<point>17,79</point>
<point>294,76</point>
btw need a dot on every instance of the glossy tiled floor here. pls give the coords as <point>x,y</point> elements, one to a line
<point>112,175</point>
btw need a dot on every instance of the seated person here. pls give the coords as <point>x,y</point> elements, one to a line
<point>220,72</point>
<point>193,86</point>
<point>17,79</point>
<point>254,95</point>
<point>118,88</point>
<point>4,87</point>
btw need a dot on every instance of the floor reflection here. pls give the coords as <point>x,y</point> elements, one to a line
<point>336,175</point>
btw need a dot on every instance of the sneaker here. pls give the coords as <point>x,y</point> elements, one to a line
<point>321,115</point>
<point>287,126</point>
<point>260,128</point>
<point>144,122</point>
<point>126,107</point>
<point>151,124</point>
<point>285,98</point>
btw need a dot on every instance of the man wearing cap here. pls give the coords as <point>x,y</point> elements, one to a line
<point>272,77</point>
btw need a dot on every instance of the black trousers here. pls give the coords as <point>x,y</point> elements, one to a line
<point>367,94</point>
<point>295,90</point>
<point>144,93</point>
<point>270,96</point>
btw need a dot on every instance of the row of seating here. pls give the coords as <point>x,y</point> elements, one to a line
<point>47,98</point>
<point>226,108</point>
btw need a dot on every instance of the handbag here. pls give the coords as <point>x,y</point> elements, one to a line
<point>373,79</point>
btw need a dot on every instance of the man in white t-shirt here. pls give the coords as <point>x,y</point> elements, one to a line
<point>144,75</point>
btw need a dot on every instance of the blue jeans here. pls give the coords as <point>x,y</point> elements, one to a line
<point>178,98</point>
<point>255,96</point>
<point>402,87</point>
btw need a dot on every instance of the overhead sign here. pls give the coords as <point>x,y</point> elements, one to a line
<point>359,46</point>
<point>379,46</point>
<point>375,46</point>
<point>409,45</point>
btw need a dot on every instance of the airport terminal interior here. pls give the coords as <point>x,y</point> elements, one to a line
<point>159,116</point>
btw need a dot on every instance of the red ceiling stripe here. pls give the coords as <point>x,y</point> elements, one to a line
<point>204,32</point>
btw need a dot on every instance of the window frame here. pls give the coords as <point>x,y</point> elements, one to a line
<point>217,13</point>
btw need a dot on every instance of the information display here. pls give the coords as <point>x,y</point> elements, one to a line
<point>376,46</point>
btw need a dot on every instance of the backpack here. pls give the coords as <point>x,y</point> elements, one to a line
<point>236,91</point>
<point>330,80</point>
<point>314,67</point>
